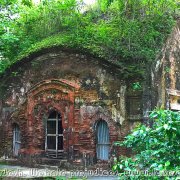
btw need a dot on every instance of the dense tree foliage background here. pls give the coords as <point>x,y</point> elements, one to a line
<point>126,32</point>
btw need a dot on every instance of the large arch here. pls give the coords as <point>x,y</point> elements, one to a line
<point>43,98</point>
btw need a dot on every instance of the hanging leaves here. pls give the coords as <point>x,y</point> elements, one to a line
<point>129,33</point>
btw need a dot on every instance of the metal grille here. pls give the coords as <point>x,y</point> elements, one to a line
<point>54,136</point>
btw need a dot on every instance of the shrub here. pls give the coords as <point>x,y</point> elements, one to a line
<point>156,148</point>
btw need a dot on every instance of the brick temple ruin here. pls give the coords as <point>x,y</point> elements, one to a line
<point>60,104</point>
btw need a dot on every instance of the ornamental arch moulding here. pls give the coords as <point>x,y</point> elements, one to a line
<point>53,90</point>
<point>43,98</point>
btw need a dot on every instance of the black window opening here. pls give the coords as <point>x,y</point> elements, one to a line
<point>54,135</point>
<point>16,140</point>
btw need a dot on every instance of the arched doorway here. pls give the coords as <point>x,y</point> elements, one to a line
<point>54,135</point>
<point>16,139</point>
<point>102,146</point>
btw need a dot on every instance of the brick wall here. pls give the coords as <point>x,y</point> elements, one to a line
<point>80,88</point>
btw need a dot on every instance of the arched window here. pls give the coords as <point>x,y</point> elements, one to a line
<point>16,140</point>
<point>54,135</point>
<point>102,146</point>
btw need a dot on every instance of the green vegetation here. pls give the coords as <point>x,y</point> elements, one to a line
<point>2,162</point>
<point>156,148</point>
<point>126,33</point>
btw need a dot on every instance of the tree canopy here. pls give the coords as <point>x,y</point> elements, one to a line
<point>127,33</point>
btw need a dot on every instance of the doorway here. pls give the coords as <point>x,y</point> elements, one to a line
<point>16,140</point>
<point>54,135</point>
<point>102,147</point>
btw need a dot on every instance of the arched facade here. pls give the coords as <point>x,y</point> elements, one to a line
<point>83,92</point>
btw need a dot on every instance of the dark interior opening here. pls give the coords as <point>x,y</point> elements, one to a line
<point>53,115</point>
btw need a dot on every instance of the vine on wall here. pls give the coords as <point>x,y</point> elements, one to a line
<point>127,33</point>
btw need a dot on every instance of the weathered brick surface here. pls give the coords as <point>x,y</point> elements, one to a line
<point>166,73</point>
<point>80,88</point>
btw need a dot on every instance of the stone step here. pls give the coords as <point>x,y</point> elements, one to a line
<point>49,162</point>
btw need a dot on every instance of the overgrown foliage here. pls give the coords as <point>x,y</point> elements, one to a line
<point>127,33</point>
<point>156,148</point>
